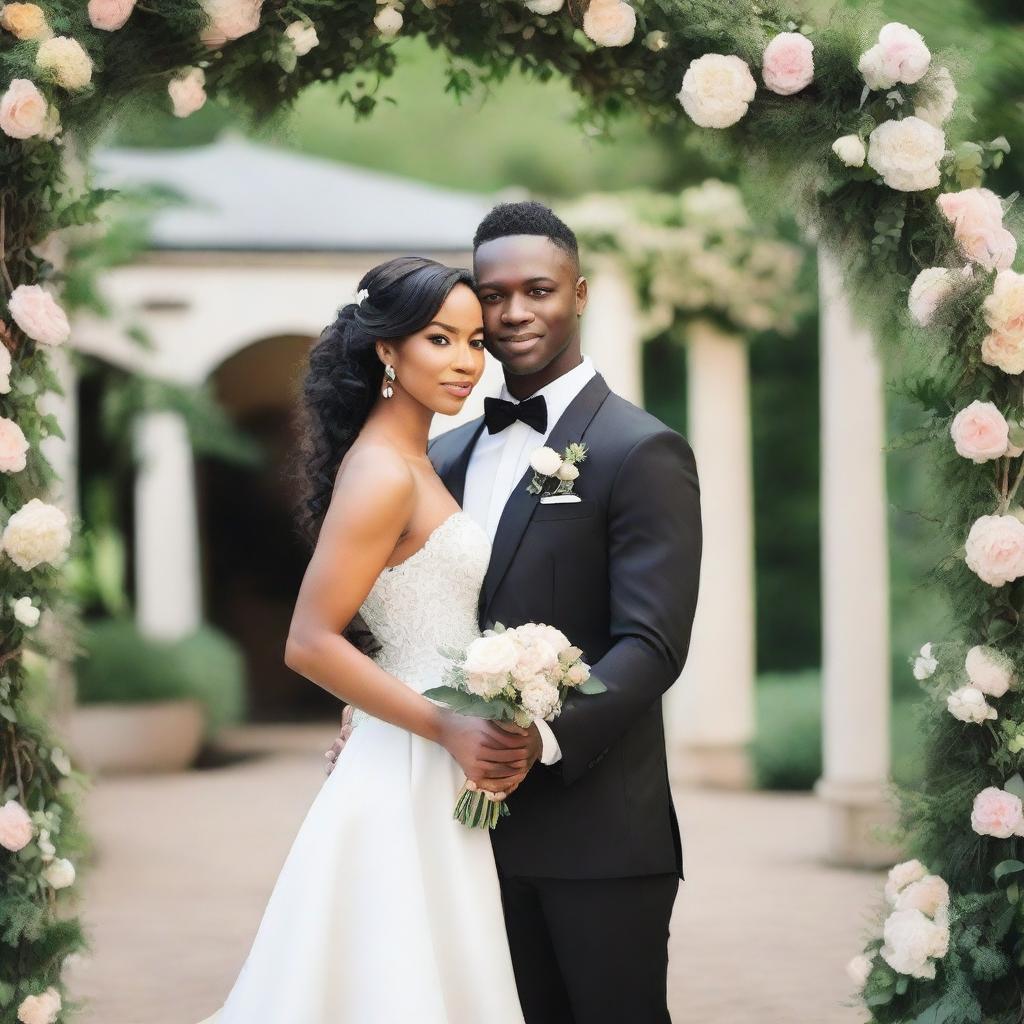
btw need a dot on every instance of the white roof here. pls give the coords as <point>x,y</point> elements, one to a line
<point>247,196</point>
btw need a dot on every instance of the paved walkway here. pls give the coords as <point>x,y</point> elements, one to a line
<point>185,864</point>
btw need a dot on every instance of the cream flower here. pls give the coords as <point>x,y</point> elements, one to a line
<point>788,63</point>
<point>900,55</point>
<point>389,21</point>
<point>110,15</point>
<point>539,697</point>
<point>980,432</point>
<point>940,100</point>
<point>546,461</point>
<point>229,20</point>
<point>41,1009</point>
<point>851,150</point>
<point>567,471</point>
<point>60,873</point>
<point>36,533</point>
<point>187,91</point>
<point>924,664</point>
<point>303,37</point>
<point>22,110</point>
<point>38,315</point>
<point>15,826</point>
<point>901,875</point>
<point>995,549</point>
<point>609,22</point>
<point>5,370</point>
<point>656,41</point>
<point>1005,351</point>
<point>25,21</point>
<point>484,685</point>
<point>717,90</point>
<point>66,61</point>
<point>969,705</point>
<point>491,655</point>
<point>977,218</point>
<point>907,153</point>
<point>46,848</point>
<point>997,813</point>
<point>858,970</point>
<point>989,670</point>
<point>911,940</point>
<point>578,674</point>
<point>930,289</point>
<point>930,895</point>
<point>1004,314</point>
<point>26,612</point>
<point>61,761</point>
<point>544,6</point>
<point>13,446</point>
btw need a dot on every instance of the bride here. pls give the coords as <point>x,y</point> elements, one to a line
<point>386,909</point>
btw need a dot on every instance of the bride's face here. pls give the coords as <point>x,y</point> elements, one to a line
<point>440,365</point>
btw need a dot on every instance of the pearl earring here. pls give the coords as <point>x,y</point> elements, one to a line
<point>389,374</point>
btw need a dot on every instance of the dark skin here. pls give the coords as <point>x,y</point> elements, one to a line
<point>532,296</point>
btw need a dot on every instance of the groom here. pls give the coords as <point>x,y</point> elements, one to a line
<point>590,856</point>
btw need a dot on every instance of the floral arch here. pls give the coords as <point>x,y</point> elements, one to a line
<point>855,122</point>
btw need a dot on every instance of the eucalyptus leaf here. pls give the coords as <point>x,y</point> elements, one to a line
<point>1015,785</point>
<point>591,685</point>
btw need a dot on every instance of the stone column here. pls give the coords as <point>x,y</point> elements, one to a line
<point>855,582</point>
<point>611,329</point>
<point>168,594</point>
<point>711,709</point>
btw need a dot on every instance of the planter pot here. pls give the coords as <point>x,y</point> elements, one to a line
<point>155,736</point>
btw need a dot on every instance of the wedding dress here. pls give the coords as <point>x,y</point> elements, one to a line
<point>387,910</point>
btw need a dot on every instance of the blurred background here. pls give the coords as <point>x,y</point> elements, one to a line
<point>195,308</point>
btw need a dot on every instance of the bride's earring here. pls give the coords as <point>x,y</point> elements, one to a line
<point>389,375</point>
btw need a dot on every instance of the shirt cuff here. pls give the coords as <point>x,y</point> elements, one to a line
<point>550,750</point>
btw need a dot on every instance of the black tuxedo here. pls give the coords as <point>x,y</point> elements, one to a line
<point>617,572</point>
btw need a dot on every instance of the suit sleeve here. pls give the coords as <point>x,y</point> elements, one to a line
<point>654,551</point>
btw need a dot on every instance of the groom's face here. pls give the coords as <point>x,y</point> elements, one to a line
<point>532,297</point>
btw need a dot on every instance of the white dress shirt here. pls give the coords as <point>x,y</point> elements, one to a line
<point>496,465</point>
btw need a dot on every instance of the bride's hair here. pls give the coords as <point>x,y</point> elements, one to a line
<point>345,374</point>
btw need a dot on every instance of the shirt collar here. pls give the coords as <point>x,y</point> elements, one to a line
<point>561,391</point>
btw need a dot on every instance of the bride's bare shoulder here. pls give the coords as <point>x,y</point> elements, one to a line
<point>376,475</point>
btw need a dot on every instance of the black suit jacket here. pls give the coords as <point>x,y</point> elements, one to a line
<point>617,572</point>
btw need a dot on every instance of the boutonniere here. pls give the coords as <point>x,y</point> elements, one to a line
<point>553,473</point>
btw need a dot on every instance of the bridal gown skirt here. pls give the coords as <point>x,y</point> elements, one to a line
<point>386,910</point>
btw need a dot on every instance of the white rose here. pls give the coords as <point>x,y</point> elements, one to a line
<point>941,98</point>
<point>567,471</point>
<point>850,150</point>
<point>924,664</point>
<point>911,938</point>
<point>1004,314</point>
<point>859,970</point>
<point>66,60</point>
<point>995,549</point>
<point>302,36</point>
<point>36,533</point>
<point>60,873</point>
<point>546,461</point>
<point>26,612</point>
<point>544,6</point>
<point>578,674</point>
<point>187,91</point>
<point>530,632</point>
<point>40,1009</point>
<point>23,110</point>
<point>539,697</point>
<point>388,21</point>
<point>716,90</point>
<point>900,55</point>
<point>536,658</point>
<point>989,670</point>
<point>609,22</point>
<point>491,655</point>
<point>929,895</point>
<point>969,705</point>
<point>907,153</point>
<point>901,875</point>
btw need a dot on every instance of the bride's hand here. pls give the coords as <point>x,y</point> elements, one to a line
<point>339,744</point>
<point>490,757</point>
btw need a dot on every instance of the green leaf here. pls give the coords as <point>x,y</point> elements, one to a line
<point>1015,785</point>
<point>592,685</point>
<point>470,704</point>
<point>1007,867</point>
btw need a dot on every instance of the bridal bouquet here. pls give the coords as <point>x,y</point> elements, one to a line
<point>515,675</point>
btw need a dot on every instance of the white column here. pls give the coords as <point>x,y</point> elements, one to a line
<point>611,329</point>
<point>710,711</point>
<point>855,581</point>
<point>168,597</point>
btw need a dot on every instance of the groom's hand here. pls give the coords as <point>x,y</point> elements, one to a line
<point>534,746</point>
<point>339,744</point>
<point>491,757</point>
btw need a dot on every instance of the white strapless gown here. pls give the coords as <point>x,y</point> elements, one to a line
<point>387,910</point>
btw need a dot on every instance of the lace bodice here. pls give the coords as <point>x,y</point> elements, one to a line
<point>429,601</point>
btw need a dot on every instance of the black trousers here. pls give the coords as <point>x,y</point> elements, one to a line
<point>590,951</point>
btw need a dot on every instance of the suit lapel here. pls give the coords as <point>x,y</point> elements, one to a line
<point>520,506</point>
<point>453,474</point>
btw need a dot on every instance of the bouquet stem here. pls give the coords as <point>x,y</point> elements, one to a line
<point>474,810</point>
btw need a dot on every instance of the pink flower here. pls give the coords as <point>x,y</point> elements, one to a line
<point>788,63</point>
<point>13,446</point>
<point>38,315</point>
<point>110,15</point>
<point>980,432</point>
<point>995,549</point>
<point>997,813</point>
<point>15,826</point>
<point>187,91</point>
<point>900,55</point>
<point>229,19</point>
<point>977,218</point>
<point>22,110</point>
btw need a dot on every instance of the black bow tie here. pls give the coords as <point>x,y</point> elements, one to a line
<point>499,414</point>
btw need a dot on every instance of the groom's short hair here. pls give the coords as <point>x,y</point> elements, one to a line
<point>527,218</point>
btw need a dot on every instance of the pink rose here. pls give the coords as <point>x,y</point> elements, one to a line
<point>229,19</point>
<point>997,813</point>
<point>110,15</point>
<point>1006,351</point>
<point>15,826</point>
<point>995,549</point>
<point>36,313</point>
<point>187,91</point>
<point>788,63</point>
<point>13,446</point>
<point>977,218</point>
<point>22,110</point>
<point>980,432</point>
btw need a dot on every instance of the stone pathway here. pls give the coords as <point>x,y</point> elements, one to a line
<point>185,864</point>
